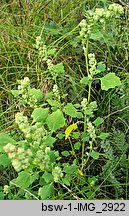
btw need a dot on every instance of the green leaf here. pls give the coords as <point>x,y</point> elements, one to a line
<point>25,179</point>
<point>15,93</point>
<point>4,160</point>
<point>60,136</point>
<point>85,137</point>
<point>67,180</point>
<point>56,120</point>
<point>65,153</point>
<point>1,196</point>
<point>51,51</point>
<point>110,81</point>
<point>77,145</point>
<point>101,67</point>
<point>46,191</point>
<point>4,140</point>
<point>96,35</point>
<point>70,110</point>
<point>84,81</point>
<point>49,141</point>
<point>40,114</point>
<point>47,177</point>
<point>53,103</point>
<point>71,169</point>
<point>98,121</point>
<point>36,93</point>
<point>76,135</point>
<point>69,129</point>
<point>59,68</point>
<point>94,155</point>
<point>103,136</point>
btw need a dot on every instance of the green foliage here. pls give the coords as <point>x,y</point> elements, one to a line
<point>60,144</point>
<point>40,114</point>
<point>55,120</point>
<point>110,81</point>
<point>5,139</point>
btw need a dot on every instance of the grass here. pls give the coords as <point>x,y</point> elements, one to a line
<point>58,23</point>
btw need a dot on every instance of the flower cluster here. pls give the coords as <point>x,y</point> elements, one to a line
<point>116,9</point>
<point>42,159</point>
<point>41,47</point>
<point>100,15</point>
<point>56,93</point>
<point>6,189</point>
<point>24,87</point>
<point>88,108</point>
<point>91,130</point>
<point>38,133</point>
<point>57,173</point>
<point>23,124</point>
<point>84,104</point>
<point>26,92</point>
<point>85,29</point>
<point>19,156</point>
<point>92,64</point>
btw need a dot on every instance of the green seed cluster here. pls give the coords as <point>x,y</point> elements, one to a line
<point>88,108</point>
<point>84,104</point>
<point>57,174</point>
<point>91,130</point>
<point>92,64</point>
<point>24,87</point>
<point>42,159</point>
<point>23,124</point>
<point>19,156</point>
<point>56,93</point>
<point>100,15</point>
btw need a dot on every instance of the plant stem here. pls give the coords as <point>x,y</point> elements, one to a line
<point>86,56</point>
<point>83,144</point>
<point>89,92</point>
<point>73,152</point>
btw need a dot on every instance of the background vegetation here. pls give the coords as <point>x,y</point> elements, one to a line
<point>57,22</point>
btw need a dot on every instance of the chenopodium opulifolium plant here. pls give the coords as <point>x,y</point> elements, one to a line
<point>45,54</point>
<point>35,150</point>
<point>99,16</point>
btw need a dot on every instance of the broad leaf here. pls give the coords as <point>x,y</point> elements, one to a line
<point>77,145</point>
<point>110,81</point>
<point>84,81</point>
<point>15,93</point>
<point>49,141</point>
<point>55,120</point>
<point>94,155</point>
<point>25,179</point>
<point>65,153</point>
<point>103,136</point>
<point>36,94</point>
<point>1,195</point>
<point>4,160</point>
<point>98,121</point>
<point>40,114</point>
<point>47,177</point>
<point>70,169</point>
<point>4,140</point>
<point>67,180</point>
<point>70,110</point>
<point>46,191</point>
<point>59,68</point>
<point>53,103</point>
<point>100,67</point>
<point>96,35</point>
